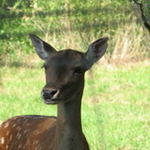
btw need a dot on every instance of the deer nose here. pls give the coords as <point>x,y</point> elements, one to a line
<point>49,93</point>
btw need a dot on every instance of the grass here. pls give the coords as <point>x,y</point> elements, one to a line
<point>116,102</point>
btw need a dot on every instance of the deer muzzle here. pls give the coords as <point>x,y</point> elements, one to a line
<point>50,96</point>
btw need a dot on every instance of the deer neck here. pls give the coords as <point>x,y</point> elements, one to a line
<point>69,129</point>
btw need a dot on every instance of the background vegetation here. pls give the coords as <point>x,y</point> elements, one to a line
<point>70,24</point>
<point>116,102</point>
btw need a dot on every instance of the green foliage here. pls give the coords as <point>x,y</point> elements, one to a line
<point>56,18</point>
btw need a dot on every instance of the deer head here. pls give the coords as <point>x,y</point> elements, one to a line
<point>65,69</point>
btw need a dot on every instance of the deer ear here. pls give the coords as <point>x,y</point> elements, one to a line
<point>95,51</point>
<point>43,49</point>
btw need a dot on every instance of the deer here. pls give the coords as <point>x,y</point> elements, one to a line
<point>65,70</point>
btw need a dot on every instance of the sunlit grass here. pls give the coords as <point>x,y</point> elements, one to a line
<point>116,103</point>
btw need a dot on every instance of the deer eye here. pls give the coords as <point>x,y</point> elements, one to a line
<point>78,70</point>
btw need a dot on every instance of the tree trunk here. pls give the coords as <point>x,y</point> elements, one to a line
<point>143,7</point>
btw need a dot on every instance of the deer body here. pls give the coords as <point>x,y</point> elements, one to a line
<point>64,87</point>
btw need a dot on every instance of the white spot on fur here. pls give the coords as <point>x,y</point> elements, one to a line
<point>28,142</point>
<point>10,139</point>
<point>18,136</point>
<point>26,131</point>
<point>37,132</point>
<point>18,128</point>
<point>2,140</point>
<point>35,142</point>
<point>20,146</point>
<point>25,121</point>
<point>6,146</point>
<point>14,125</point>
<point>7,133</point>
<point>6,125</point>
<point>39,147</point>
<point>27,124</point>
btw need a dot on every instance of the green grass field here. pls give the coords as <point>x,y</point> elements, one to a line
<point>116,102</point>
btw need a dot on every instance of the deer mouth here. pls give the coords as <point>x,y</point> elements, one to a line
<point>51,101</point>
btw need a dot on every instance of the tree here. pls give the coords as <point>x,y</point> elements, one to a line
<point>143,7</point>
